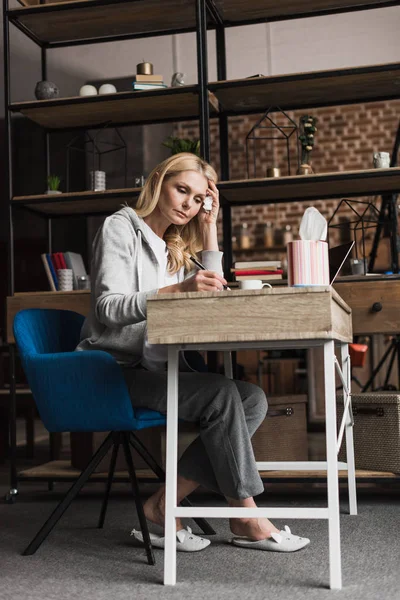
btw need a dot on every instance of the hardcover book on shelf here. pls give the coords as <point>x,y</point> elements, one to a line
<point>75,262</point>
<point>262,277</point>
<point>255,264</point>
<point>257,272</point>
<point>50,267</point>
<point>142,78</point>
<point>148,86</point>
<point>62,260</point>
<point>48,272</point>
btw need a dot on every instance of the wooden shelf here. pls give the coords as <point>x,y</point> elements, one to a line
<point>61,23</point>
<point>241,192</point>
<point>310,187</point>
<point>309,90</point>
<point>62,470</point>
<point>155,106</point>
<point>99,20</point>
<point>235,12</point>
<point>78,203</point>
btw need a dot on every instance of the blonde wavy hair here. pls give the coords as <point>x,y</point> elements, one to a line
<point>182,241</point>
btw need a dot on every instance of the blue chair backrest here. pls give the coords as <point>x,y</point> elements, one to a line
<point>74,391</point>
<point>47,331</point>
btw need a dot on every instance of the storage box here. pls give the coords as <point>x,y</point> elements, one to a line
<point>283,433</point>
<point>376,431</point>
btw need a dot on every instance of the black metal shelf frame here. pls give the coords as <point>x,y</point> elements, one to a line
<point>204,121</point>
<point>204,9</point>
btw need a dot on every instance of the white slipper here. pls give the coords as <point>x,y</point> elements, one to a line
<point>187,541</point>
<point>284,541</point>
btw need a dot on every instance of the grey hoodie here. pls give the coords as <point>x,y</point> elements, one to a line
<point>124,272</point>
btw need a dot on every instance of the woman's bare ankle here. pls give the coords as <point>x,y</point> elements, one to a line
<point>154,509</point>
<point>255,529</point>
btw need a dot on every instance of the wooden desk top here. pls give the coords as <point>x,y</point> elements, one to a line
<point>249,316</point>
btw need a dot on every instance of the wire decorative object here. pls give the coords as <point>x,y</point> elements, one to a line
<point>275,131</point>
<point>94,145</point>
<point>363,216</point>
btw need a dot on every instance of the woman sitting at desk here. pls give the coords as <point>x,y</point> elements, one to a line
<point>144,251</point>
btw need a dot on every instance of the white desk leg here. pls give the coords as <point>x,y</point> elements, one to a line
<point>335,568</point>
<point>171,467</point>
<point>351,470</point>
<point>228,370</point>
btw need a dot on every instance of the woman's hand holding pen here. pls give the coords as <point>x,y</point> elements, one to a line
<point>203,281</point>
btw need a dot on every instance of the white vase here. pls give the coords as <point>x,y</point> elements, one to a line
<point>53,192</point>
<point>98,181</point>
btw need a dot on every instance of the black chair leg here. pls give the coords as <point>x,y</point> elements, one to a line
<point>109,482</point>
<point>136,493</point>
<point>155,467</point>
<point>68,498</point>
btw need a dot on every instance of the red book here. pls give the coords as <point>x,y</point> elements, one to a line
<point>257,272</point>
<point>62,260</point>
<point>56,261</point>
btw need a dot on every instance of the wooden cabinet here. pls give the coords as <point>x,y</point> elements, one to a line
<point>375,304</point>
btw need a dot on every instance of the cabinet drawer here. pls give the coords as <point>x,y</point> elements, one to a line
<point>375,305</point>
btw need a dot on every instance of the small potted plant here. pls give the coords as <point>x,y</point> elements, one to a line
<point>53,183</point>
<point>308,128</point>
<point>177,145</point>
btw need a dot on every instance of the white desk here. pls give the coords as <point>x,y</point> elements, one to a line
<point>268,319</point>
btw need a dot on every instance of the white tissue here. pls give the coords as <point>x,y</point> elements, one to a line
<point>207,204</point>
<point>313,225</point>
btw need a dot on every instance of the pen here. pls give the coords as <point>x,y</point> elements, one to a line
<point>202,267</point>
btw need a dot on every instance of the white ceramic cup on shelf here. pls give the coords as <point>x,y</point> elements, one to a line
<point>253,284</point>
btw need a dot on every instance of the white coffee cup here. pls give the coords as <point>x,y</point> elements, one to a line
<point>253,284</point>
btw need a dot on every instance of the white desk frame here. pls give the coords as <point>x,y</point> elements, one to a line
<point>333,443</point>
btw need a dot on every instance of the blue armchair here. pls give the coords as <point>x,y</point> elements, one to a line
<point>83,391</point>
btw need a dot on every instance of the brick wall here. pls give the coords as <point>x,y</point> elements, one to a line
<point>346,139</point>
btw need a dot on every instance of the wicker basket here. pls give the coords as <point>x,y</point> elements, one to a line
<point>376,431</point>
<point>283,433</point>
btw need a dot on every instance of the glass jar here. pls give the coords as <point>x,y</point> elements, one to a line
<point>287,235</point>
<point>84,282</point>
<point>244,239</point>
<point>268,235</point>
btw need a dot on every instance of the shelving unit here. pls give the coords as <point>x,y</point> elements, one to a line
<point>311,187</point>
<point>84,21</point>
<point>123,108</point>
<point>94,21</point>
<point>308,90</point>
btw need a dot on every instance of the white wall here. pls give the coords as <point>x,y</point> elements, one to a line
<point>344,40</point>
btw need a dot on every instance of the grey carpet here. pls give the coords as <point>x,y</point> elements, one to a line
<point>78,561</point>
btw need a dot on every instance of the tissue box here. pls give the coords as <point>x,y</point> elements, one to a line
<point>308,263</point>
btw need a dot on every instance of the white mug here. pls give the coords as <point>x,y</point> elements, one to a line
<point>253,284</point>
<point>381,160</point>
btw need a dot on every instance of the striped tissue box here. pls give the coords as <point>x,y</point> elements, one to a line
<point>308,263</point>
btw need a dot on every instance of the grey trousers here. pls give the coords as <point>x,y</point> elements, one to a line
<point>228,413</point>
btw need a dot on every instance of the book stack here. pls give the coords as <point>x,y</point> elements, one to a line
<point>258,269</point>
<point>148,82</point>
<point>63,260</point>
